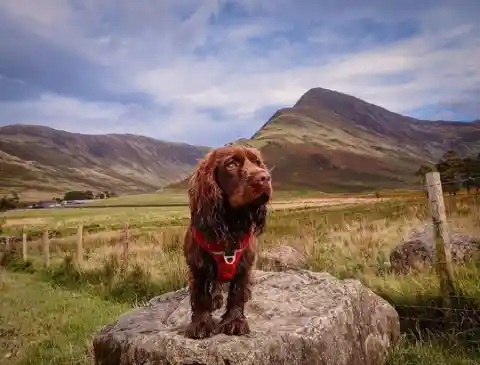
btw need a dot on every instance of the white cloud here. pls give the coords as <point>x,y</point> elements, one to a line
<point>95,117</point>
<point>58,110</point>
<point>439,73</point>
<point>44,12</point>
<point>170,51</point>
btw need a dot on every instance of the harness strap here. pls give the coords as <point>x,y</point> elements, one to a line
<point>226,265</point>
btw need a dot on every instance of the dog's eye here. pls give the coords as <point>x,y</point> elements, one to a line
<point>231,164</point>
<point>258,163</point>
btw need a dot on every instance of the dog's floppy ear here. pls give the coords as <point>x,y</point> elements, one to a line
<point>206,197</point>
<point>259,218</point>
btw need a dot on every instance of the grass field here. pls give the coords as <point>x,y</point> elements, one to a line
<point>47,316</point>
<point>146,212</point>
<point>179,197</point>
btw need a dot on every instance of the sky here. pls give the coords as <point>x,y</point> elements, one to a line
<point>208,72</point>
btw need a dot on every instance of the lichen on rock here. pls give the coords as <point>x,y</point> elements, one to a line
<point>296,317</point>
<point>417,252</point>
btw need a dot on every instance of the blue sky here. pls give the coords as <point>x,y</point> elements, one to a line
<point>208,72</point>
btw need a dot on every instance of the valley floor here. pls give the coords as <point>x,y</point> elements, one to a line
<point>45,324</point>
<point>41,324</point>
<point>48,316</point>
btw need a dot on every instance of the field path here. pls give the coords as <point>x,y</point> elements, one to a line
<point>319,202</point>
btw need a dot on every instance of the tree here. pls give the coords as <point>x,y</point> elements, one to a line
<point>471,173</point>
<point>110,194</point>
<point>78,195</point>
<point>450,168</point>
<point>7,203</point>
<point>15,198</point>
<point>455,172</point>
<point>421,172</point>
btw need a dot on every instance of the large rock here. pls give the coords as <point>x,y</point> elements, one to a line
<point>417,252</point>
<point>296,318</point>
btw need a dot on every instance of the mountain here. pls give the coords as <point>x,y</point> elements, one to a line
<point>332,141</point>
<point>327,141</point>
<point>41,159</point>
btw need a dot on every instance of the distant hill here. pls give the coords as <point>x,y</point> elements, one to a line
<point>40,159</point>
<point>332,141</point>
<point>327,141</point>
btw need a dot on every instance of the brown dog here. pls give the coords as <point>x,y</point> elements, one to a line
<point>228,198</point>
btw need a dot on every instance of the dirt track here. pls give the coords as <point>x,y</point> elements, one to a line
<point>321,202</point>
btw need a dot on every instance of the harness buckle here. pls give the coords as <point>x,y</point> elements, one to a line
<point>229,259</point>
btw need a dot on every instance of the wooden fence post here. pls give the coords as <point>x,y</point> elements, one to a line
<point>6,253</point>
<point>24,245</point>
<point>125,247</point>
<point>80,245</point>
<point>46,248</point>
<point>441,234</point>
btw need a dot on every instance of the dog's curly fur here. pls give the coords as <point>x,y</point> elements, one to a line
<point>228,196</point>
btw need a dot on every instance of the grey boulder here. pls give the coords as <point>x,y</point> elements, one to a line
<point>296,318</point>
<point>417,252</point>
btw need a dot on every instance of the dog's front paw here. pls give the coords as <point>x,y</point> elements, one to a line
<point>234,326</point>
<point>202,328</point>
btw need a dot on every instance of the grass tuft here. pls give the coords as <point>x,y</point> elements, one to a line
<point>348,241</point>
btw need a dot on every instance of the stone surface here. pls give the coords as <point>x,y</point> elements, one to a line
<point>296,318</point>
<point>417,252</point>
<point>282,257</point>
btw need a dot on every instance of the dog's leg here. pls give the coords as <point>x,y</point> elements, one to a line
<point>234,321</point>
<point>201,325</point>
<point>217,295</point>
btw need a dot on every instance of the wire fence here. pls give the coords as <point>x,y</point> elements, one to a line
<point>454,181</point>
<point>346,243</point>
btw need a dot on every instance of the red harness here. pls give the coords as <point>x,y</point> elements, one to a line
<point>226,265</point>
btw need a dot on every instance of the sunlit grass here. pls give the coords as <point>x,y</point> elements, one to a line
<point>349,241</point>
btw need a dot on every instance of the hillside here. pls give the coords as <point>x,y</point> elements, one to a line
<point>37,159</point>
<point>336,142</point>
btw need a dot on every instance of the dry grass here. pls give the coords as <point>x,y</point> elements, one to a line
<point>65,220</point>
<point>348,241</point>
<point>143,212</point>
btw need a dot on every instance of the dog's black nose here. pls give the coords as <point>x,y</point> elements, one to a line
<point>262,177</point>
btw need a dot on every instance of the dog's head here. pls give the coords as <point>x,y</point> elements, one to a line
<point>230,180</point>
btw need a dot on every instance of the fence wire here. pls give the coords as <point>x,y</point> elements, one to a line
<point>455,181</point>
<point>467,305</point>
